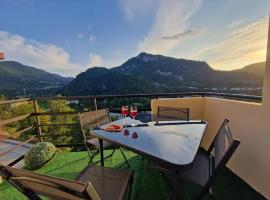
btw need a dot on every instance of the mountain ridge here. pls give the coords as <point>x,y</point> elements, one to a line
<point>15,76</point>
<point>255,68</point>
<point>144,73</point>
<point>165,74</point>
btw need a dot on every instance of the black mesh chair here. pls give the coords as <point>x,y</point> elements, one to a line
<point>208,163</point>
<point>92,119</point>
<point>169,114</point>
<point>172,114</point>
<point>93,182</point>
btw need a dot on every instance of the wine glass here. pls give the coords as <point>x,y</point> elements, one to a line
<point>133,113</point>
<point>125,113</point>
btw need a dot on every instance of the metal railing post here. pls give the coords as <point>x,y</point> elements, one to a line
<point>94,101</point>
<point>38,127</point>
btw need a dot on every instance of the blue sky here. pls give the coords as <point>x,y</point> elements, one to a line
<point>68,36</point>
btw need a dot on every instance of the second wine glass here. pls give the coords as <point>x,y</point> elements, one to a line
<point>125,113</point>
<point>133,113</point>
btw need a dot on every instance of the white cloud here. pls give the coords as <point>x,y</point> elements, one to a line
<point>236,23</point>
<point>80,36</point>
<point>45,56</point>
<point>134,8</point>
<point>244,45</point>
<point>92,38</point>
<point>171,18</point>
<point>95,60</point>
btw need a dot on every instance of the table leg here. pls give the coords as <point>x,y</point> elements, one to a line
<point>176,186</point>
<point>101,152</point>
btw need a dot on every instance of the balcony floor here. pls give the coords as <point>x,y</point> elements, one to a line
<point>149,185</point>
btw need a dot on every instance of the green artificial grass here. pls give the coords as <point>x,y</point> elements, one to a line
<point>147,185</point>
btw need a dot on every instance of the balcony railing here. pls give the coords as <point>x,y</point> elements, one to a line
<point>94,99</point>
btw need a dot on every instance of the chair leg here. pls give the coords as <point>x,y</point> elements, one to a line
<point>130,188</point>
<point>124,157</point>
<point>108,156</point>
<point>170,196</point>
<point>211,193</point>
<point>212,197</point>
<point>147,165</point>
<point>111,154</point>
<point>176,185</point>
<point>93,156</point>
<point>203,193</point>
<point>88,151</point>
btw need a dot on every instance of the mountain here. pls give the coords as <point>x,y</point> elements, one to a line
<point>15,76</point>
<point>100,80</point>
<point>147,73</point>
<point>256,68</point>
<point>181,73</point>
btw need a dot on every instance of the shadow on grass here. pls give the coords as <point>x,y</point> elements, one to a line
<point>152,185</point>
<point>146,185</point>
<point>50,169</point>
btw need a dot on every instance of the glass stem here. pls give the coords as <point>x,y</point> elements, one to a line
<point>133,124</point>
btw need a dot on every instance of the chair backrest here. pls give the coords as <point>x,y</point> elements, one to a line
<point>222,147</point>
<point>223,144</point>
<point>94,118</point>
<point>172,114</point>
<point>34,185</point>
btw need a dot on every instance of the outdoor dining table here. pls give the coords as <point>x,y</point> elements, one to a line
<point>170,143</point>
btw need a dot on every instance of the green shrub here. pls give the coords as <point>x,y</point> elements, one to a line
<point>39,155</point>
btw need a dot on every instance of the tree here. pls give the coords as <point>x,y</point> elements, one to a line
<point>8,111</point>
<point>62,134</point>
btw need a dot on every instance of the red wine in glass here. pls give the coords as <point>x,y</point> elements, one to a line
<point>133,113</point>
<point>125,113</point>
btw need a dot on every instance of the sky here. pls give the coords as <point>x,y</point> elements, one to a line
<point>67,36</point>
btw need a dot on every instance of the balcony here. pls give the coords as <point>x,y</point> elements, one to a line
<point>247,174</point>
<point>248,116</point>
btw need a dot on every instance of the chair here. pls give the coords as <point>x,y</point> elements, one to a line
<point>96,183</point>
<point>94,119</point>
<point>207,164</point>
<point>172,114</point>
<point>169,114</point>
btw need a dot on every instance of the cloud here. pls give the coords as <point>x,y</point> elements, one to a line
<point>92,38</point>
<point>48,57</point>
<point>80,36</point>
<point>134,8</point>
<point>236,23</point>
<point>95,60</point>
<point>244,45</point>
<point>172,16</point>
<point>188,32</point>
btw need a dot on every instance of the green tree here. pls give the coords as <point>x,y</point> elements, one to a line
<point>8,111</point>
<point>62,134</point>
